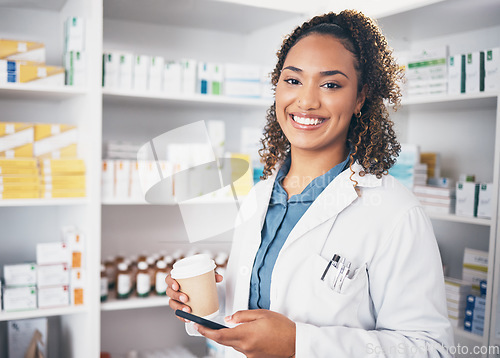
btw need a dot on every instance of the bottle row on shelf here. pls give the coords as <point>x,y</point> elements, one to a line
<point>144,275</point>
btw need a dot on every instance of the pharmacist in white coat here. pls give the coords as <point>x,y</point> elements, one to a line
<point>332,257</point>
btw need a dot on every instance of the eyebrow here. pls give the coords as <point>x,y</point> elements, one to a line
<point>322,73</point>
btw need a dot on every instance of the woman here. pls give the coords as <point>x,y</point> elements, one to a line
<point>328,145</point>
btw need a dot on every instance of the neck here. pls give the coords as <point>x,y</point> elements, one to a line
<point>310,164</point>
<point>306,166</point>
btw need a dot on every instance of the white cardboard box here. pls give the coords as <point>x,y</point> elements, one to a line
<point>52,275</point>
<point>492,70</point>
<point>474,72</point>
<point>456,74</point>
<point>57,296</point>
<point>52,253</point>
<point>19,298</point>
<point>20,275</point>
<point>141,73</point>
<point>484,201</point>
<point>156,66</point>
<point>467,197</point>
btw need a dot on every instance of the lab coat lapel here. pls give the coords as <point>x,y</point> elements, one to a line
<point>254,215</point>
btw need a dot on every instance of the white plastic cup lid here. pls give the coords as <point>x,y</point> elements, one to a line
<point>192,266</point>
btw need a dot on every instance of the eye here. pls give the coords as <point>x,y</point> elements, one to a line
<point>292,81</point>
<point>331,85</point>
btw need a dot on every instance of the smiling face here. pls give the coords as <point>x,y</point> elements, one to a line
<point>317,94</point>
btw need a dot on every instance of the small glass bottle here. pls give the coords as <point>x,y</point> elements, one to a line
<point>110,266</point>
<point>143,286</point>
<point>123,281</point>
<point>160,276</point>
<point>151,270</point>
<point>104,284</point>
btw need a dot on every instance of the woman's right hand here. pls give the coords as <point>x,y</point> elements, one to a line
<point>178,298</point>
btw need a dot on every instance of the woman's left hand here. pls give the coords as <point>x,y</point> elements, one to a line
<point>262,333</point>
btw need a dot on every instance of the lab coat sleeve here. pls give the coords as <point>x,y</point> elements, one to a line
<point>406,287</point>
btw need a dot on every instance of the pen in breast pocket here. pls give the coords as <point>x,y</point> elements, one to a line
<point>335,259</point>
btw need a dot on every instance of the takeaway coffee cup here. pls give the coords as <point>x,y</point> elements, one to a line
<point>196,277</point>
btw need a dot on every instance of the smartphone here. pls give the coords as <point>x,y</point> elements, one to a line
<point>202,321</point>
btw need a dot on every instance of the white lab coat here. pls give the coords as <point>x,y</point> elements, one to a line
<point>393,303</point>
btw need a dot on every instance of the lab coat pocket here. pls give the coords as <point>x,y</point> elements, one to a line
<point>342,298</point>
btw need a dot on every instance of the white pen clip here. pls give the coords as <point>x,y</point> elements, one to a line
<point>344,275</point>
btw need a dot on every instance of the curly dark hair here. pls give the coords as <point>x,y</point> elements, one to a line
<point>371,137</point>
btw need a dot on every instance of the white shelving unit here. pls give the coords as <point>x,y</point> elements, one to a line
<point>466,131</point>
<point>73,330</point>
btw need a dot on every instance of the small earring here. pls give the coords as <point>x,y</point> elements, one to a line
<point>358,115</point>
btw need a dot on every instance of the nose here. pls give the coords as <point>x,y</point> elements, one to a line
<point>308,97</point>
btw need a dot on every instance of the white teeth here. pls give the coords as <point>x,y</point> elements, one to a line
<point>307,121</point>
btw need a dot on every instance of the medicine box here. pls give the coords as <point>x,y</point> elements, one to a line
<point>141,73</point>
<point>19,298</point>
<point>56,296</point>
<point>52,253</point>
<point>20,275</point>
<point>204,85</point>
<point>77,287</point>
<point>74,34</point>
<point>189,74</point>
<point>475,259</point>
<point>456,74</point>
<point>16,140</point>
<point>62,167</point>
<point>172,77</point>
<point>474,72</point>
<point>22,50</point>
<point>53,275</point>
<point>484,200</point>
<point>216,75</point>
<point>111,70</point>
<point>155,79</point>
<point>476,303</point>
<point>467,197</point>
<point>75,66</point>
<point>492,70</point>
<point>55,141</point>
<point>126,71</point>
<point>27,335</point>
<point>34,73</point>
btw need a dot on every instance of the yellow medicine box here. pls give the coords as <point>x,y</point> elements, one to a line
<point>60,167</point>
<point>55,141</point>
<point>16,140</point>
<point>40,74</point>
<point>22,50</point>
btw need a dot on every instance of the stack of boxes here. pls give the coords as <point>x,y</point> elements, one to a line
<point>435,199</point>
<point>40,160</point>
<point>456,298</point>
<point>408,170</point>
<point>127,71</point>
<point>433,71</point>
<point>55,280</point>
<point>24,62</point>
<point>475,272</point>
<point>475,310</point>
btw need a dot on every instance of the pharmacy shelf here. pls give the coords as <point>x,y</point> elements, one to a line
<point>460,332</point>
<point>202,14</point>
<point>53,5</point>
<point>114,304</point>
<point>199,100</point>
<point>43,202</point>
<point>460,219</point>
<point>463,100</point>
<point>46,312</point>
<point>33,92</point>
<point>227,200</point>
